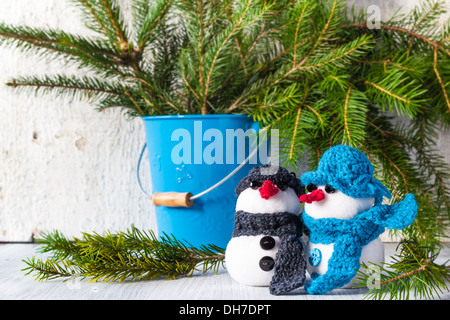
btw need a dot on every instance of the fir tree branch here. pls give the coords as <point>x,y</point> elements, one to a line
<point>413,270</point>
<point>241,55</point>
<point>189,86</point>
<point>385,62</point>
<point>200,51</point>
<point>234,29</point>
<point>116,25</point>
<point>244,19</point>
<point>393,164</point>
<point>94,14</point>
<point>315,112</point>
<point>294,62</point>
<point>386,91</point>
<point>46,270</point>
<point>294,134</point>
<point>441,174</point>
<point>321,35</point>
<point>347,97</point>
<point>438,76</point>
<point>432,43</point>
<point>84,52</point>
<point>157,11</point>
<point>64,84</point>
<point>397,90</point>
<point>343,53</point>
<point>104,17</point>
<point>404,275</point>
<point>291,151</point>
<point>432,8</point>
<point>133,101</point>
<point>131,255</point>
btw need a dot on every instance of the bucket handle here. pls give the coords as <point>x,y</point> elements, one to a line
<point>186,199</point>
<point>168,199</point>
<point>139,170</point>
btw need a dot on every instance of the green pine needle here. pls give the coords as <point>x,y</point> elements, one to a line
<point>412,273</point>
<point>131,255</point>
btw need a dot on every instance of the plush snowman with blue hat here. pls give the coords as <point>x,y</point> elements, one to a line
<point>345,217</point>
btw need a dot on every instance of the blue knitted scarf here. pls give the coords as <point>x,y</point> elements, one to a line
<point>349,236</point>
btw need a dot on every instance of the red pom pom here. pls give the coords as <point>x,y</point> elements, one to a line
<point>268,189</point>
<point>316,195</point>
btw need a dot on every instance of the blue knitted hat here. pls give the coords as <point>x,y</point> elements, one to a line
<point>348,170</point>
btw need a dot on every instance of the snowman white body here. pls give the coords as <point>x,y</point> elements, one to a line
<point>244,253</point>
<point>340,206</point>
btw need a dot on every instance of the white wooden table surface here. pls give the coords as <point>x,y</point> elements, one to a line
<point>14,285</point>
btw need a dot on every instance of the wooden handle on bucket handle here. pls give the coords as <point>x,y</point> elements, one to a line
<point>173,199</point>
<point>167,199</point>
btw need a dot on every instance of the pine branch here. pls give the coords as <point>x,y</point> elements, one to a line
<point>349,123</point>
<point>131,255</point>
<point>396,91</point>
<point>89,87</point>
<point>92,17</point>
<point>321,34</point>
<point>421,177</point>
<point>429,12</point>
<point>438,76</point>
<point>52,43</point>
<point>347,97</point>
<point>294,134</point>
<point>105,18</point>
<point>412,271</point>
<point>338,57</point>
<point>151,16</point>
<point>432,43</point>
<point>238,25</point>
<point>47,270</point>
<point>428,158</point>
<point>114,15</point>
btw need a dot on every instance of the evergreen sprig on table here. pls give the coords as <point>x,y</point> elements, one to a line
<point>131,255</point>
<point>413,272</point>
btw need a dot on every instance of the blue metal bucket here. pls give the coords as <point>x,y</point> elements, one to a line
<point>190,154</point>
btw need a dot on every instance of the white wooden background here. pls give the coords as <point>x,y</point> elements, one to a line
<point>15,286</point>
<point>64,165</point>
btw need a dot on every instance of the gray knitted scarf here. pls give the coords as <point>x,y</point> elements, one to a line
<point>290,264</point>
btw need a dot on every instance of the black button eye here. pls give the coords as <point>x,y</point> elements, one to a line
<point>254,185</point>
<point>329,189</point>
<point>311,187</point>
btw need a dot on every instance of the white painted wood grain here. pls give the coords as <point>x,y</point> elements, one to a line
<point>63,165</point>
<point>14,285</point>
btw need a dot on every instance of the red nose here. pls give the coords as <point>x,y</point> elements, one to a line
<point>268,189</point>
<point>315,195</point>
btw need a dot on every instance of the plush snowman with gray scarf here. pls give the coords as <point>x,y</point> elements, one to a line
<point>345,217</point>
<point>266,249</point>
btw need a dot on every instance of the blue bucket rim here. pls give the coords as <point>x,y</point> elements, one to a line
<point>195,116</point>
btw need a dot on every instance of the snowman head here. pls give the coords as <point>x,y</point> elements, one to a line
<point>324,201</point>
<point>269,189</point>
<point>343,185</point>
